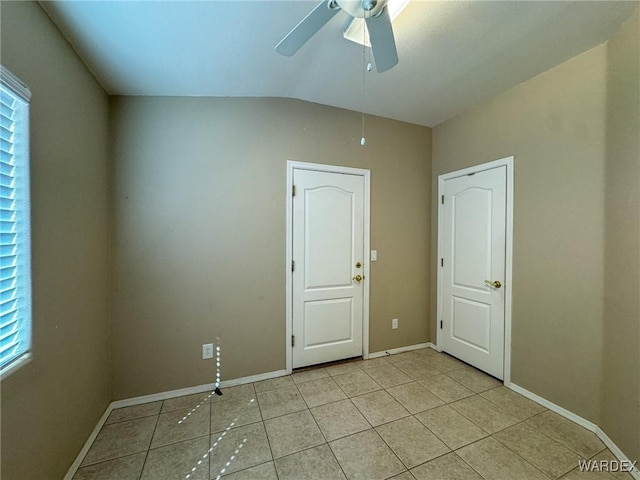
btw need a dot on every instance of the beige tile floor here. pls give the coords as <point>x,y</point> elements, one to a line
<point>420,415</point>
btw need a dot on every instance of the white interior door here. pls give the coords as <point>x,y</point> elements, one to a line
<point>328,256</point>
<point>472,246</point>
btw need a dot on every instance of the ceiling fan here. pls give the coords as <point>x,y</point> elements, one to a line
<point>375,14</point>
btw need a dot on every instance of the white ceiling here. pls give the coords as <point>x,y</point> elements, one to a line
<point>453,55</point>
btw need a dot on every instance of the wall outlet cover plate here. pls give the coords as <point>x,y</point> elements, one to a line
<point>207,351</point>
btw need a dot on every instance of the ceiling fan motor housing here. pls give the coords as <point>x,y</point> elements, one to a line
<point>362,8</point>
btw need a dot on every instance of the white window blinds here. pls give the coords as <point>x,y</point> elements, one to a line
<point>15,235</point>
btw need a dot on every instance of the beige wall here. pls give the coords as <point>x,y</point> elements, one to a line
<point>199,231</point>
<point>621,380</point>
<point>575,133</point>
<point>50,406</point>
<point>554,126</point>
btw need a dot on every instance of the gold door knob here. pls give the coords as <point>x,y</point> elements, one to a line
<point>494,284</point>
<point>358,277</point>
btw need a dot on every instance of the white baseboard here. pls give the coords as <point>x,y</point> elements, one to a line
<point>408,348</point>
<point>209,387</point>
<point>129,402</point>
<point>85,448</point>
<point>583,422</point>
<point>635,473</point>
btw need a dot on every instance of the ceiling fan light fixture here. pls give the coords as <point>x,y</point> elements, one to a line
<point>354,32</point>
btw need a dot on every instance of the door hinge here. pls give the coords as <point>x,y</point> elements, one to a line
<point>293,190</point>
<point>293,265</point>
<point>442,262</point>
<point>442,199</point>
<point>293,340</point>
<point>440,324</point>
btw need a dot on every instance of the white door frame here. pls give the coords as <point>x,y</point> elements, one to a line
<point>508,284</point>
<point>366,174</point>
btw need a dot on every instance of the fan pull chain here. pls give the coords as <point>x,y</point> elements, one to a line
<point>364,72</point>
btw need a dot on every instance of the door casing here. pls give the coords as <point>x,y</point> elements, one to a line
<point>508,284</point>
<point>366,174</point>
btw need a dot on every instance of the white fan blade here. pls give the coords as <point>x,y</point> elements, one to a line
<point>307,28</point>
<point>383,45</point>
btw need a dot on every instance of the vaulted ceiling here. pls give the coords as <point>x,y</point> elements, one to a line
<point>452,55</point>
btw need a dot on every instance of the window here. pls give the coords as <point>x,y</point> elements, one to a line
<point>15,228</point>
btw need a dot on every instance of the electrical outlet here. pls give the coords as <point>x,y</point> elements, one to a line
<point>394,323</point>
<point>207,351</point>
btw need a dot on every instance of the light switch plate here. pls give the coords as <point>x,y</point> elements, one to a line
<point>374,255</point>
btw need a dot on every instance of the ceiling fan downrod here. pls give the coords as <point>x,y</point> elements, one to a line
<point>362,8</point>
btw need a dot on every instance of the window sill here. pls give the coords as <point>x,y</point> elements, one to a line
<point>15,366</point>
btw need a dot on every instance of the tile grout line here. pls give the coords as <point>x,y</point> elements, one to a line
<point>489,435</point>
<point>413,415</point>
<point>519,455</point>
<point>492,436</point>
<point>326,442</point>
<point>149,446</point>
<point>560,442</point>
<point>469,465</point>
<point>111,460</point>
<point>264,426</point>
<point>209,439</point>
<point>407,469</point>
